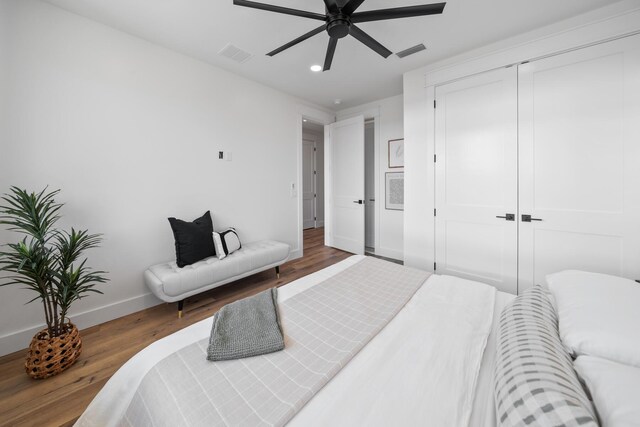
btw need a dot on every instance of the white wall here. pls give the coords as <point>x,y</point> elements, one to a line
<point>4,41</point>
<point>130,132</point>
<point>389,112</point>
<point>609,22</point>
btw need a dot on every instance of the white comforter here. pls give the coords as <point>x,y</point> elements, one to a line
<point>421,369</point>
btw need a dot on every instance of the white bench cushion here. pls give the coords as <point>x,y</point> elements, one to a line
<point>171,283</point>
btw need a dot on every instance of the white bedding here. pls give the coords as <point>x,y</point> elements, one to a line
<point>400,377</point>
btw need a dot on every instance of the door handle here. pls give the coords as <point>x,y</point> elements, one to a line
<point>508,217</point>
<point>360,202</point>
<point>372,200</point>
<point>527,218</point>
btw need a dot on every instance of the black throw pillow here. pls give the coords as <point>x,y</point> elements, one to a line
<point>194,240</point>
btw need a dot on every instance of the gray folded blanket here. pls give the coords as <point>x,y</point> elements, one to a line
<point>245,328</point>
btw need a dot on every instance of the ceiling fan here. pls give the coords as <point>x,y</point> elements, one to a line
<point>340,21</point>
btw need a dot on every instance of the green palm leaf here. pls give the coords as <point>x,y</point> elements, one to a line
<point>43,261</point>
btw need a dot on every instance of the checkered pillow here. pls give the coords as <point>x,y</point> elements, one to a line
<point>535,384</point>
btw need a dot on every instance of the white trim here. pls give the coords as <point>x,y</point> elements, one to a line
<point>19,340</point>
<point>389,253</point>
<point>614,21</point>
<point>324,118</point>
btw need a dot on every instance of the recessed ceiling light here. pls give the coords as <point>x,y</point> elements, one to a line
<point>337,101</point>
<point>304,120</point>
<point>316,68</point>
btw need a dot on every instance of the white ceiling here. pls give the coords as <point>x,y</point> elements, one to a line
<point>201,28</point>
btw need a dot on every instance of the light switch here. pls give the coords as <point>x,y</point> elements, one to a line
<point>220,155</point>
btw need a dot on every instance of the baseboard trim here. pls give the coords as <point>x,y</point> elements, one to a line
<point>19,340</point>
<point>294,254</point>
<point>389,253</point>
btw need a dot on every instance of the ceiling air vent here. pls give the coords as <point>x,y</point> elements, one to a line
<point>414,49</point>
<point>235,53</point>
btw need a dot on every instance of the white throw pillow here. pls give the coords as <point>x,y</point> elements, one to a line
<point>614,388</point>
<point>226,242</point>
<point>599,315</point>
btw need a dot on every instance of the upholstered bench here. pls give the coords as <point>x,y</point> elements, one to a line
<point>170,283</point>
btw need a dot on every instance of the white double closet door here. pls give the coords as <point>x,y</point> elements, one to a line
<point>555,143</point>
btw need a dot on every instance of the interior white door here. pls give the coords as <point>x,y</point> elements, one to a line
<point>369,186</point>
<point>344,185</point>
<point>579,162</point>
<point>476,178</point>
<point>308,184</point>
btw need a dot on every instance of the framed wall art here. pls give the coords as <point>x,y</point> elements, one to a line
<point>396,153</point>
<point>394,191</point>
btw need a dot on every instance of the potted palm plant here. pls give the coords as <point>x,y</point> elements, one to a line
<point>49,262</point>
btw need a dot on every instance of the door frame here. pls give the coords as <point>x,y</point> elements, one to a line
<point>324,118</point>
<point>328,183</point>
<point>376,178</point>
<point>315,178</point>
<point>371,114</point>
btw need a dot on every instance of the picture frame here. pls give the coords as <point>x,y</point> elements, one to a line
<point>396,153</point>
<point>394,191</point>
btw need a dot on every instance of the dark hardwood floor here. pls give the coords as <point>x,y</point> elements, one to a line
<point>61,399</point>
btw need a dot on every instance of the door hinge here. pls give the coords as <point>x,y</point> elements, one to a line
<point>434,103</point>
<point>314,148</point>
<point>434,158</point>
<point>434,266</point>
<point>314,172</point>
<point>315,219</point>
<point>434,212</point>
<point>315,195</point>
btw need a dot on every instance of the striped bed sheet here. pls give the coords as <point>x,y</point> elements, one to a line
<point>324,327</point>
<point>426,366</point>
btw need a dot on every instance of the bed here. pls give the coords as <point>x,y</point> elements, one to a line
<point>431,364</point>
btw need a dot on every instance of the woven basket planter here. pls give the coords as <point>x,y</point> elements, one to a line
<point>50,356</point>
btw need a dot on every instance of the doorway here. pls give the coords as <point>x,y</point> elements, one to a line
<point>312,174</point>
<point>369,187</point>
<point>352,171</point>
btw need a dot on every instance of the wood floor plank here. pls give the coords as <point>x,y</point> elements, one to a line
<point>60,400</point>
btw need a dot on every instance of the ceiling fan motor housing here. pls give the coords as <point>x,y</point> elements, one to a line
<point>338,26</point>
<point>340,19</point>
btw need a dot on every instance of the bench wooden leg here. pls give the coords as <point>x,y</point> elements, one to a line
<point>180,305</point>
<point>278,272</point>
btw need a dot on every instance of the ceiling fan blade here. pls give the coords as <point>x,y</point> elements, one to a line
<point>369,41</point>
<point>398,12</point>
<point>331,49</point>
<point>351,7</point>
<point>280,9</point>
<point>302,38</point>
<point>332,6</point>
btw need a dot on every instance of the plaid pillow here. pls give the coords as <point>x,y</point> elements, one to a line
<point>535,383</point>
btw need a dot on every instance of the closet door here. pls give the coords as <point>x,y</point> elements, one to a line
<point>579,135</point>
<point>477,178</point>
